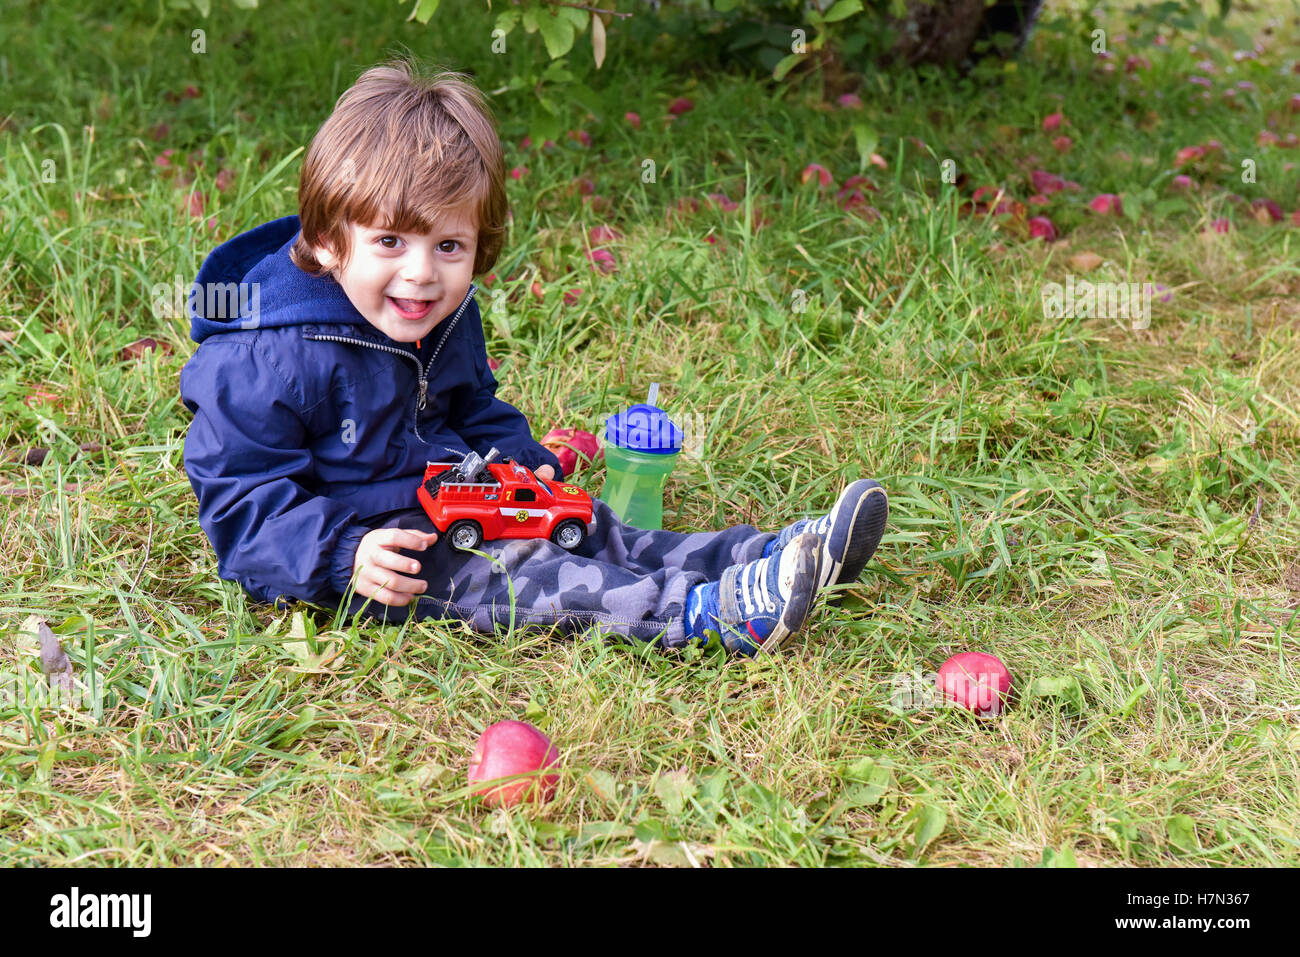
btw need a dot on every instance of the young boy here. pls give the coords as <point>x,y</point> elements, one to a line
<point>341,350</point>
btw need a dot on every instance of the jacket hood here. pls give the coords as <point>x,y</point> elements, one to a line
<point>249,282</point>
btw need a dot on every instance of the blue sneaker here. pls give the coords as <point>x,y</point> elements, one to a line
<point>850,533</point>
<point>757,606</point>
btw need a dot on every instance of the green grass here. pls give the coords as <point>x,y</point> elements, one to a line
<point>1111,511</point>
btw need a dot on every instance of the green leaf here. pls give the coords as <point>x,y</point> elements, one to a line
<point>603,783</point>
<point>786,65</point>
<point>872,780</point>
<point>578,18</point>
<point>557,33</point>
<point>425,10</point>
<point>867,140</point>
<point>648,831</point>
<point>305,720</point>
<point>725,6</point>
<point>544,830</point>
<point>602,831</point>
<point>427,775</point>
<point>45,759</point>
<point>930,822</point>
<point>1181,831</point>
<point>674,790</point>
<point>1052,858</point>
<point>1063,688</point>
<point>842,10</point>
<point>507,20</point>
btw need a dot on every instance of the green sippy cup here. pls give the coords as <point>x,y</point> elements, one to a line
<point>641,448</point>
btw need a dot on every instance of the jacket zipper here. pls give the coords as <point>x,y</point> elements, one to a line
<point>421,373</point>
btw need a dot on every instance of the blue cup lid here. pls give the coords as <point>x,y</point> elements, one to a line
<point>644,428</point>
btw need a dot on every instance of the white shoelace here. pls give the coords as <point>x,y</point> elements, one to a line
<point>755,597</point>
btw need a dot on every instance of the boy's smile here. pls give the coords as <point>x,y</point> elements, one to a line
<point>407,283</point>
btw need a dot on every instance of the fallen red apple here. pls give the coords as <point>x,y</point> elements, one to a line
<point>603,234</point>
<point>507,749</point>
<point>569,444</point>
<point>602,259</point>
<point>1041,226</point>
<point>1266,211</point>
<point>1045,182</point>
<point>821,172</point>
<point>1108,204</point>
<point>975,681</point>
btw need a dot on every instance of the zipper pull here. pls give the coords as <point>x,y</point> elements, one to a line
<point>424,393</point>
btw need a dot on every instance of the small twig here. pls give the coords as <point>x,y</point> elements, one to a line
<point>580,6</point>
<point>148,546</point>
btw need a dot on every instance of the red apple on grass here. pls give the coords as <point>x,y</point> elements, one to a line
<point>507,749</point>
<point>975,681</point>
<point>569,444</point>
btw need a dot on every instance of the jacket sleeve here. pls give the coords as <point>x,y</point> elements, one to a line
<point>247,460</point>
<point>484,421</point>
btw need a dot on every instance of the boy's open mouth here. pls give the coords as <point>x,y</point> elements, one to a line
<point>412,308</point>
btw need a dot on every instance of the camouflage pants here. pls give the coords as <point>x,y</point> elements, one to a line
<point>628,581</point>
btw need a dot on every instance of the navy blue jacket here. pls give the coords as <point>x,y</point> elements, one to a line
<point>308,421</point>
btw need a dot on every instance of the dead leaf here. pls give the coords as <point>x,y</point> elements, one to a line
<point>137,349</point>
<point>25,492</point>
<point>673,853</point>
<point>1085,262</point>
<point>33,456</point>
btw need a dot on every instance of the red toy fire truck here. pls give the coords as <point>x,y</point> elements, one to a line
<point>477,499</point>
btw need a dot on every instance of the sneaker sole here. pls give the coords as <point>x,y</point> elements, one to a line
<point>800,562</point>
<point>854,538</point>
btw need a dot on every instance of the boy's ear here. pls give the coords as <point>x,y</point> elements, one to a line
<point>325,256</point>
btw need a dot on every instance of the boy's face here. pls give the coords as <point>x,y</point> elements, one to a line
<point>407,283</point>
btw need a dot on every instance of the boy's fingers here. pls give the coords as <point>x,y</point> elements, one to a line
<point>387,596</point>
<point>407,538</point>
<point>383,558</point>
<point>383,578</point>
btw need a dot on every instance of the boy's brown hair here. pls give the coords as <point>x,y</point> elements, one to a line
<point>398,151</point>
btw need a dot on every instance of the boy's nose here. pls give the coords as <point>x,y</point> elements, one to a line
<point>418,269</point>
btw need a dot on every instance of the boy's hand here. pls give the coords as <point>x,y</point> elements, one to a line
<point>377,563</point>
<point>545,473</point>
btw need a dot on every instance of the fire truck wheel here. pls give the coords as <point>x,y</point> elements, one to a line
<point>569,534</point>
<point>464,535</point>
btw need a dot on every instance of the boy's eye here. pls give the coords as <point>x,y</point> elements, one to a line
<point>445,242</point>
<point>383,240</point>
